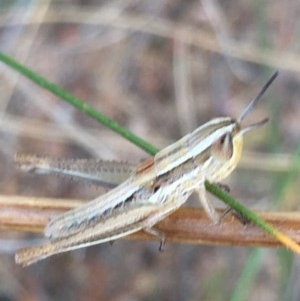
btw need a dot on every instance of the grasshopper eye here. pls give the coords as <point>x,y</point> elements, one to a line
<point>222,149</point>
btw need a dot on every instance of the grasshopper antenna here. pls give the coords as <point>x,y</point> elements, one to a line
<point>255,100</point>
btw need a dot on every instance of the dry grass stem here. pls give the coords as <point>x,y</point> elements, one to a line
<point>186,225</point>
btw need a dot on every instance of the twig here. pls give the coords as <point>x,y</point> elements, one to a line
<point>186,225</point>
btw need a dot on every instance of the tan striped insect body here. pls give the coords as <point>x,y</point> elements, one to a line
<point>155,188</point>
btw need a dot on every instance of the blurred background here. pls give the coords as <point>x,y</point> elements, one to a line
<point>160,69</point>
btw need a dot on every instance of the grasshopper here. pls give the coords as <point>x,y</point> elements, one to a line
<point>152,191</point>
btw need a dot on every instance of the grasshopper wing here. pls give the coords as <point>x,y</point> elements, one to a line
<point>93,212</point>
<point>96,234</point>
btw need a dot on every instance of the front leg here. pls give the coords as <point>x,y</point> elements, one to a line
<point>242,219</point>
<point>228,209</point>
<point>223,187</point>
<point>207,205</point>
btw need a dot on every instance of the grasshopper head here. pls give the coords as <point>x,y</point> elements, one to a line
<point>228,147</point>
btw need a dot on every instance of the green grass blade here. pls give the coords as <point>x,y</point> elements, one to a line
<point>79,104</point>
